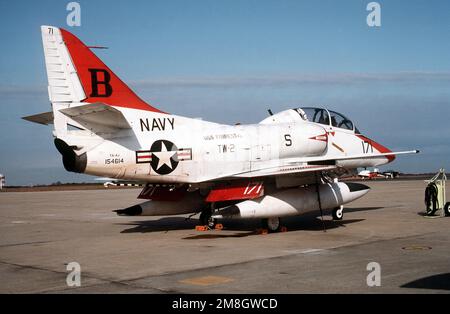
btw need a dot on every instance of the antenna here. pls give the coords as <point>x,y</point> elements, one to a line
<point>97,47</point>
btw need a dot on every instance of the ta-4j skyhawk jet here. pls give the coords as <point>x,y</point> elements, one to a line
<point>288,164</point>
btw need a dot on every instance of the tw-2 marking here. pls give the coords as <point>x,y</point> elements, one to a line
<point>226,148</point>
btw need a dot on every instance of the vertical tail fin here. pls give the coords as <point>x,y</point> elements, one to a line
<point>76,74</point>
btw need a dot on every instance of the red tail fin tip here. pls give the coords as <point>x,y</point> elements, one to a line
<point>100,84</point>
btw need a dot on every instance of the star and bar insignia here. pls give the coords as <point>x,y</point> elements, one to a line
<point>163,156</point>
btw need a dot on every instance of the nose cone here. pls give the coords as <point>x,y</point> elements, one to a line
<point>356,187</point>
<point>356,190</point>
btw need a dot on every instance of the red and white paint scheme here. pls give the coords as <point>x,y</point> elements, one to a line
<point>287,164</point>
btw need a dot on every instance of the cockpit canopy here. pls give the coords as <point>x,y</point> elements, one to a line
<point>317,115</point>
<point>326,117</point>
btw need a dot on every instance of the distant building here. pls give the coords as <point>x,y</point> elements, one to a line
<point>2,181</point>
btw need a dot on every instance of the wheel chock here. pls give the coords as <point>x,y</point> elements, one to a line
<point>218,227</point>
<point>262,231</point>
<point>201,228</point>
<point>283,229</point>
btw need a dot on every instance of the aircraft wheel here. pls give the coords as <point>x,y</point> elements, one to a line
<point>206,219</point>
<point>273,224</point>
<point>447,209</point>
<point>338,213</point>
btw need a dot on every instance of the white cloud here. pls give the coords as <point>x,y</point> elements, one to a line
<point>293,80</point>
<point>279,80</point>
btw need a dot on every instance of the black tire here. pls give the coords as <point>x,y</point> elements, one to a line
<point>447,209</point>
<point>338,213</point>
<point>273,224</point>
<point>206,219</point>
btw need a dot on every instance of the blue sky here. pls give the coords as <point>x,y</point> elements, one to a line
<point>228,61</point>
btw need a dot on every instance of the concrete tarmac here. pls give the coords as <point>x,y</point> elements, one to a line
<point>41,232</point>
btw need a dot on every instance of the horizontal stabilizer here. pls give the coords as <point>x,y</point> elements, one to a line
<point>97,114</point>
<point>44,118</point>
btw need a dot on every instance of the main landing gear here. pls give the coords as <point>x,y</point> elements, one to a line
<point>206,218</point>
<point>273,224</point>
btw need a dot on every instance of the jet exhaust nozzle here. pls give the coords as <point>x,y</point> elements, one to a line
<point>71,161</point>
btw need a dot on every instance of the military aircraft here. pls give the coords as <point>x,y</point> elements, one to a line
<point>288,164</point>
<point>370,174</point>
<point>376,173</point>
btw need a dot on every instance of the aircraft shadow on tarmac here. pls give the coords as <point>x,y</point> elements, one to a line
<point>360,209</point>
<point>425,215</point>
<point>435,282</point>
<point>291,225</point>
<point>307,222</point>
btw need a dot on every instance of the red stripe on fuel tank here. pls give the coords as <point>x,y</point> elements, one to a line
<point>239,191</point>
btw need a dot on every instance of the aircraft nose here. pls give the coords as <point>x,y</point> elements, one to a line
<point>355,191</point>
<point>355,187</point>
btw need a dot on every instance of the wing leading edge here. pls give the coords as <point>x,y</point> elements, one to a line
<point>310,164</point>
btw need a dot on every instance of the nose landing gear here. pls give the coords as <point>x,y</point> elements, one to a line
<point>338,213</point>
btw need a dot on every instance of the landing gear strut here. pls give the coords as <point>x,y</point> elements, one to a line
<point>272,224</point>
<point>338,213</point>
<point>206,219</point>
